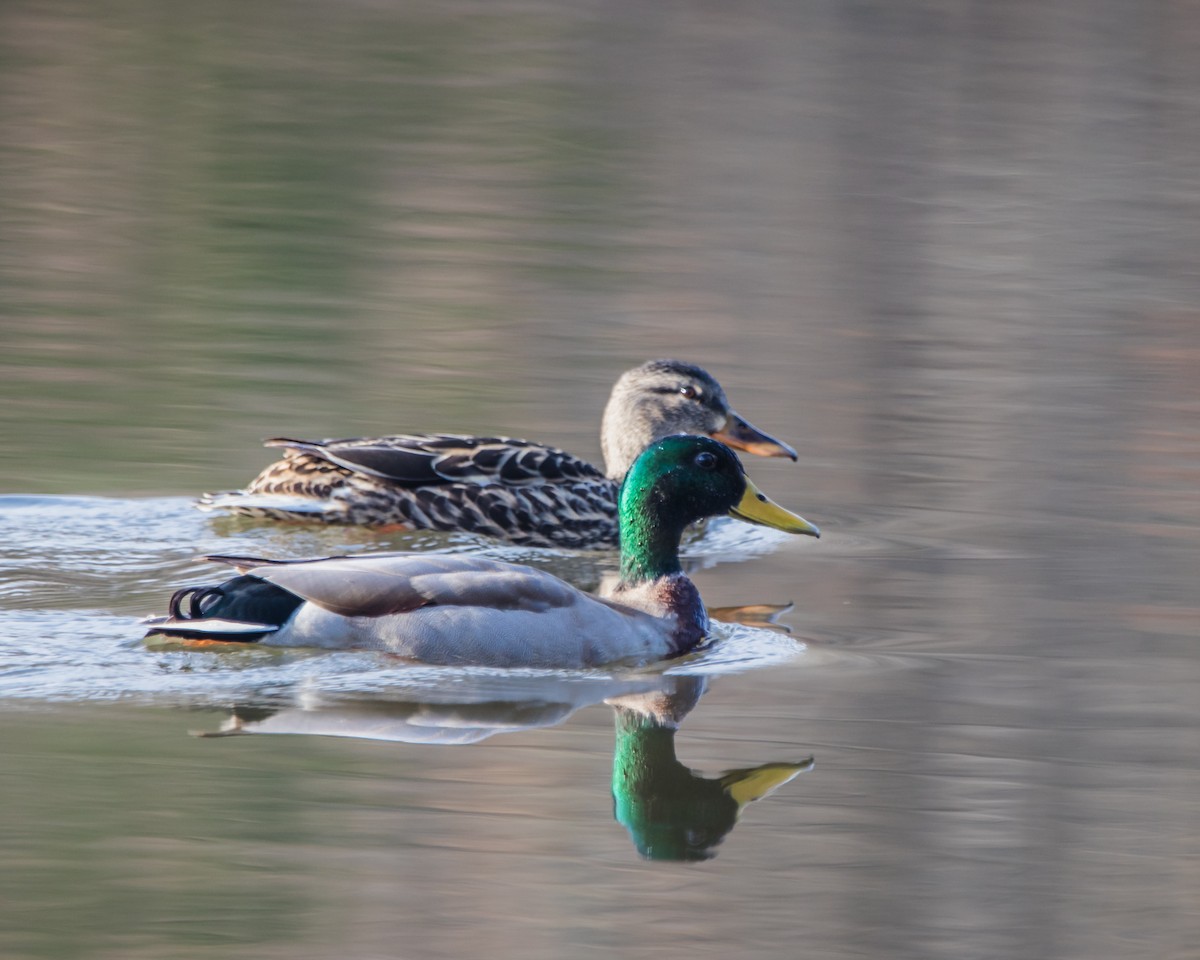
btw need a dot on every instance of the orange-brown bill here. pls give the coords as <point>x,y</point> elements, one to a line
<point>742,435</point>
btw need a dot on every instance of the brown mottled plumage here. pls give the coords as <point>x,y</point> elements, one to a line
<point>462,609</point>
<point>515,490</point>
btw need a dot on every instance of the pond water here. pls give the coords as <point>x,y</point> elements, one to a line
<point>946,250</point>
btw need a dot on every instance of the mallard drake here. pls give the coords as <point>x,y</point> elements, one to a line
<point>515,490</point>
<point>458,609</point>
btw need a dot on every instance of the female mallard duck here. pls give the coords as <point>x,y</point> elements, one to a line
<point>455,609</point>
<point>514,490</point>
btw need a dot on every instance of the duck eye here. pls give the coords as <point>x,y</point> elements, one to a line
<point>706,460</point>
<point>690,392</point>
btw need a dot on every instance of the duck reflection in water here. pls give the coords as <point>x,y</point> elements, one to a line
<point>670,811</point>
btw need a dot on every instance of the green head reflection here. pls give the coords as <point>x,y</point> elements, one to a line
<point>670,811</point>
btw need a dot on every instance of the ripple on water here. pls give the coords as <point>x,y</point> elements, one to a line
<point>82,655</point>
<point>80,572</point>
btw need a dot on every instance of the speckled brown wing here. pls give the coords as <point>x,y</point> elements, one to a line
<point>526,493</point>
<point>417,460</point>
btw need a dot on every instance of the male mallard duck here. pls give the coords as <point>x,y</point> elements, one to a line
<point>514,490</point>
<point>456,609</point>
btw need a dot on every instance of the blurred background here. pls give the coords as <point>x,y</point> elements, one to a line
<point>947,249</point>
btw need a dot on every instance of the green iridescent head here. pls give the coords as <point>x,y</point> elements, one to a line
<point>676,482</point>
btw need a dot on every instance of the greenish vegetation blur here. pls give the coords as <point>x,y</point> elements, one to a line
<point>230,221</point>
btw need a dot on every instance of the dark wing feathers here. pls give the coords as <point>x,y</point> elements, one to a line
<point>417,460</point>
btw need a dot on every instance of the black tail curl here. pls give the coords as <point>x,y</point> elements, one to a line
<point>241,599</point>
<point>198,596</point>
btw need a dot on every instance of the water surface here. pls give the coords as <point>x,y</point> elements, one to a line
<point>944,250</point>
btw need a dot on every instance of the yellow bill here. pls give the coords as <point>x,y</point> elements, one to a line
<point>756,507</point>
<point>746,786</point>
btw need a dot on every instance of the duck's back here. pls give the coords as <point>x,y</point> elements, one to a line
<point>527,493</point>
